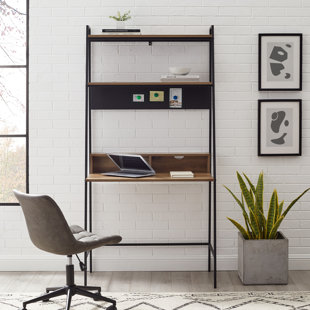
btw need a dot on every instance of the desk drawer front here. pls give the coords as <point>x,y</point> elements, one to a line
<point>180,162</point>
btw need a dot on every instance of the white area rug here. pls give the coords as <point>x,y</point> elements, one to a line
<point>172,301</point>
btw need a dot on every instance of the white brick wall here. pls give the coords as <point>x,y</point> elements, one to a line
<point>150,212</point>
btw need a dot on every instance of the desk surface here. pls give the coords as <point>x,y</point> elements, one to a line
<point>159,177</point>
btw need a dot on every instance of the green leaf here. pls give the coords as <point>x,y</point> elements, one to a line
<point>281,207</point>
<point>256,218</point>
<point>240,228</point>
<point>241,204</point>
<point>260,192</point>
<point>254,224</point>
<point>235,197</point>
<point>271,212</point>
<point>259,204</point>
<point>252,196</point>
<point>246,218</point>
<point>250,203</point>
<point>275,227</point>
<point>293,202</point>
<point>247,223</point>
<point>264,227</point>
<point>276,208</point>
<point>250,183</point>
<point>245,192</point>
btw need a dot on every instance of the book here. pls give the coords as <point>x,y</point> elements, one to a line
<point>179,78</point>
<point>181,174</point>
<point>121,30</point>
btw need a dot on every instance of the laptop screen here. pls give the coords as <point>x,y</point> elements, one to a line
<point>129,162</point>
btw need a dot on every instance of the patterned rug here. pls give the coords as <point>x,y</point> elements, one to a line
<point>172,301</point>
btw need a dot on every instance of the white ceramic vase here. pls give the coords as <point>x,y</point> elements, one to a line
<point>120,24</point>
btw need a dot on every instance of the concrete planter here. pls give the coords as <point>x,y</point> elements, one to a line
<point>263,261</point>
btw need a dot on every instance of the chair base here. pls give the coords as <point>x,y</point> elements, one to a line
<point>70,291</point>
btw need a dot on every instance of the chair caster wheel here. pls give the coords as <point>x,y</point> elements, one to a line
<point>113,307</point>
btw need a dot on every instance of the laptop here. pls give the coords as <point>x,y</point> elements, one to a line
<point>131,166</point>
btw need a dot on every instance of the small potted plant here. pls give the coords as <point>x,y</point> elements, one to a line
<point>262,248</point>
<point>120,19</point>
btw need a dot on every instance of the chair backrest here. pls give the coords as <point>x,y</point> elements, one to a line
<point>47,226</point>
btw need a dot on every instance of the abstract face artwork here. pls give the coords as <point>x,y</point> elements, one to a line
<point>279,131</point>
<point>280,61</point>
<point>279,128</point>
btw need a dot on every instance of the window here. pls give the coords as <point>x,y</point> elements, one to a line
<point>13,99</point>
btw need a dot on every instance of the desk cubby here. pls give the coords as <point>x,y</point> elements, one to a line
<point>198,163</point>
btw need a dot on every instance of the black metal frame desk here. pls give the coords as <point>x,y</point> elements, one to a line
<point>196,95</point>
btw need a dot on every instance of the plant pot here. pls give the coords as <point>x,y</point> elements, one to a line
<point>263,261</point>
<point>120,24</point>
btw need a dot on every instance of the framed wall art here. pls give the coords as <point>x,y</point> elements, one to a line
<point>280,61</point>
<point>279,127</point>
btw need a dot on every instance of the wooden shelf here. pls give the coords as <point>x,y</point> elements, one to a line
<point>148,83</point>
<point>198,163</point>
<point>159,177</point>
<point>150,37</point>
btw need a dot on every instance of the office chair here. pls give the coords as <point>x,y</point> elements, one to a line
<point>50,232</point>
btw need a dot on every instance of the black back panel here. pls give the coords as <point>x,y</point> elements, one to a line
<point>121,96</point>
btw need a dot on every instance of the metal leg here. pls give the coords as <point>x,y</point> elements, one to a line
<point>214,236</point>
<point>209,229</point>
<point>90,288</point>
<point>95,296</point>
<point>90,206</point>
<point>69,297</point>
<point>51,289</point>
<point>47,296</point>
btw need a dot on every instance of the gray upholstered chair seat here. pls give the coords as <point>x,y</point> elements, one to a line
<point>88,241</point>
<point>81,234</point>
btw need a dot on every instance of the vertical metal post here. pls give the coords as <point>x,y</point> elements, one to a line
<point>90,200</point>
<point>86,145</point>
<point>210,153</point>
<point>89,152</point>
<point>27,96</point>
<point>214,155</point>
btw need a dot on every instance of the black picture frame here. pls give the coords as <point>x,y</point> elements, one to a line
<point>261,80</point>
<point>260,148</point>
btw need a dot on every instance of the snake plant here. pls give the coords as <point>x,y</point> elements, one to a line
<point>257,225</point>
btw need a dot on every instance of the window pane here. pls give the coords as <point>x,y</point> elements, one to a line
<point>12,101</point>
<point>12,167</point>
<point>13,32</point>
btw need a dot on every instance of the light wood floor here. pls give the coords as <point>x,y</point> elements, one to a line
<point>147,281</point>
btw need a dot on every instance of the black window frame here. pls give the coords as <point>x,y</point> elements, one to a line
<point>26,135</point>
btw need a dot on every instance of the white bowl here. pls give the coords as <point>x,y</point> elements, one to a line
<point>179,70</point>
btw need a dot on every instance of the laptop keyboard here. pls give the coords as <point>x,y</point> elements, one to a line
<point>129,173</point>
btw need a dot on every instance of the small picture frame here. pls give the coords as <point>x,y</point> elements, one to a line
<point>279,127</point>
<point>280,61</point>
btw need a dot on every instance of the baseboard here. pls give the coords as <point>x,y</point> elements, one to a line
<point>57,263</point>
